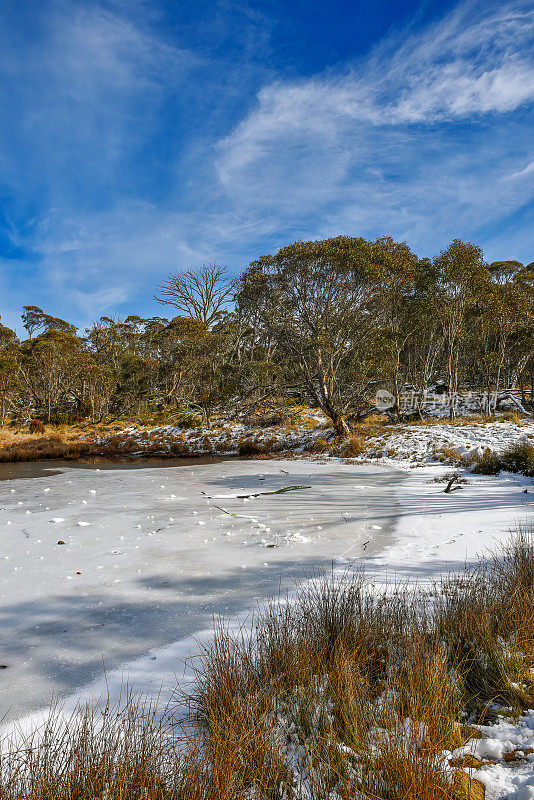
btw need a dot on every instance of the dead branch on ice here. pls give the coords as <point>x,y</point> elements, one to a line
<point>257,494</point>
<point>449,487</point>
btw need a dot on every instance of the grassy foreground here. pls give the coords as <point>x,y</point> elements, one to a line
<point>341,693</point>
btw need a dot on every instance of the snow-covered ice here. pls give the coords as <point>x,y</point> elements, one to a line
<point>126,578</point>
<point>438,533</point>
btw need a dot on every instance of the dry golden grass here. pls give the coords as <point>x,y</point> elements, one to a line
<point>20,445</point>
<point>449,455</point>
<point>353,446</point>
<point>339,692</point>
<point>369,436</point>
<point>345,671</point>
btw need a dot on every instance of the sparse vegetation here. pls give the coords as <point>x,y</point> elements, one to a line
<point>519,458</point>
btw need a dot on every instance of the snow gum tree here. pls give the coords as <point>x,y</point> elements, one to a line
<point>463,279</point>
<point>405,300</point>
<point>9,368</point>
<point>51,366</point>
<point>510,314</point>
<point>318,301</point>
<point>202,294</point>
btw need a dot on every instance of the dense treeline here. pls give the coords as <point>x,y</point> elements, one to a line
<point>326,322</point>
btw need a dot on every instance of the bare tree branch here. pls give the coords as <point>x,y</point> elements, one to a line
<point>201,293</point>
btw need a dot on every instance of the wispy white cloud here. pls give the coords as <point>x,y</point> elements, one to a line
<point>80,98</point>
<point>80,101</point>
<point>424,138</point>
<point>522,173</point>
<point>413,139</point>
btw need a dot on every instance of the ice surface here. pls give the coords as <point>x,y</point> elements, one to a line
<point>146,564</point>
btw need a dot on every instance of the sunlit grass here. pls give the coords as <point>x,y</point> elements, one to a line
<point>341,692</point>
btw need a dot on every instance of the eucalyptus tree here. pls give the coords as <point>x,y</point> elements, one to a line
<point>406,295</point>
<point>463,280</point>
<point>35,319</point>
<point>318,302</point>
<point>508,314</point>
<point>51,364</point>
<point>211,380</point>
<point>9,370</point>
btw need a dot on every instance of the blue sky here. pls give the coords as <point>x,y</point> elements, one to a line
<point>139,137</point>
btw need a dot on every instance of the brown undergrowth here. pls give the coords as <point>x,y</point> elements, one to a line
<point>124,440</point>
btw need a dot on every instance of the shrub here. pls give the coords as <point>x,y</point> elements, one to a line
<point>190,421</point>
<point>249,448</point>
<point>487,464</point>
<point>66,418</point>
<point>354,446</point>
<point>36,426</point>
<point>271,419</point>
<point>519,459</point>
<point>318,445</point>
<point>449,454</point>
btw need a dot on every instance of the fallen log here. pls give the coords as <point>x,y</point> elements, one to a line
<point>276,491</point>
<point>283,490</point>
<point>450,488</point>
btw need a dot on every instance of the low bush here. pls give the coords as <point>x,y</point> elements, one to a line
<point>353,446</point>
<point>488,463</point>
<point>249,448</point>
<point>269,419</point>
<point>318,445</point>
<point>519,459</point>
<point>36,426</point>
<point>66,418</point>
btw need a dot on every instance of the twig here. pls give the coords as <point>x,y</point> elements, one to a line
<point>225,511</point>
<point>257,494</point>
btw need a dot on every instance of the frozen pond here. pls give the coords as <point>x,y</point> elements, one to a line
<point>150,553</point>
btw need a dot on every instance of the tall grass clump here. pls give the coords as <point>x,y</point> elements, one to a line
<point>339,691</point>
<point>120,752</point>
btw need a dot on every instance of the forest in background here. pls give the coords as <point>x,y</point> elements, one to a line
<point>327,323</point>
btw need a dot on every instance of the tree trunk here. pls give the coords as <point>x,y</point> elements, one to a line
<point>502,350</point>
<point>453,383</point>
<point>339,422</point>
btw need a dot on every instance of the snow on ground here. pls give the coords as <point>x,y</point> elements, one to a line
<point>148,559</point>
<point>224,437</point>
<point>398,445</point>
<point>415,445</point>
<point>438,533</point>
<point>507,754</point>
